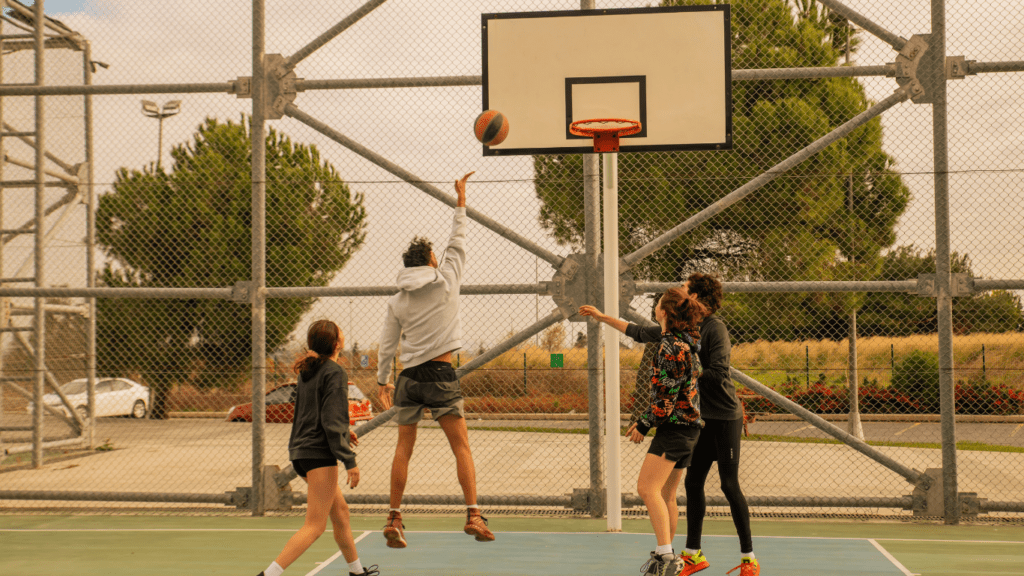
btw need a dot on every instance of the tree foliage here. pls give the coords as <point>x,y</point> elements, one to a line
<point>902,314</point>
<point>827,219</point>
<point>191,227</point>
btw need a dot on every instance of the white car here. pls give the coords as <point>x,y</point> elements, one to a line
<point>114,397</point>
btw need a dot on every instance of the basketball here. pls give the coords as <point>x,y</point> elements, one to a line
<point>491,127</point>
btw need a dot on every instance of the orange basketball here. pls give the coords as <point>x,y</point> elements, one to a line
<point>491,127</point>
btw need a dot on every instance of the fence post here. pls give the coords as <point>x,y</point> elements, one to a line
<point>807,369</point>
<point>855,428</point>
<point>524,373</point>
<point>984,370</point>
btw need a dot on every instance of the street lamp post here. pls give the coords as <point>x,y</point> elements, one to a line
<point>151,110</point>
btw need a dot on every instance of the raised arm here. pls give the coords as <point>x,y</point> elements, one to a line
<point>454,262</point>
<point>596,314</point>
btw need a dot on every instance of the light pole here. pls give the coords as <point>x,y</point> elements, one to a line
<point>151,110</point>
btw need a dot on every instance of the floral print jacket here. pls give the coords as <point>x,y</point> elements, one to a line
<point>674,373</point>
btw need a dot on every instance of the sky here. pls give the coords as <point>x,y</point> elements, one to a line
<point>427,131</point>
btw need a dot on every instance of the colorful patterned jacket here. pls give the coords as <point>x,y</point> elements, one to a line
<point>674,373</point>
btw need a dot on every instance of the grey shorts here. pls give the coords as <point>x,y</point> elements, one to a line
<point>430,385</point>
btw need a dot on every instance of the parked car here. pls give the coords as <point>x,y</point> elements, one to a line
<point>114,397</point>
<point>281,406</point>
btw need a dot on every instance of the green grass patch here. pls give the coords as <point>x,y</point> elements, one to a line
<point>963,445</point>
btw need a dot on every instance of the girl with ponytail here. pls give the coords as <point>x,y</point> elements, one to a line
<point>320,438</point>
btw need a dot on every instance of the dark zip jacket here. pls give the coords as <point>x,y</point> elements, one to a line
<point>320,427</point>
<point>717,392</point>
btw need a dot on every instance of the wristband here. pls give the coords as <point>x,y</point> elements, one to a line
<point>381,385</point>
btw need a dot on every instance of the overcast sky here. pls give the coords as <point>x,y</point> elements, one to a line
<point>428,131</point>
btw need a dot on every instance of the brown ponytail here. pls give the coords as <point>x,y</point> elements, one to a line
<point>321,340</point>
<point>683,313</point>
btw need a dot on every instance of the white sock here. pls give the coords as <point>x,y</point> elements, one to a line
<point>663,549</point>
<point>355,567</point>
<point>691,551</point>
<point>394,509</point>
<point>473,506</point>
<point>274,569</point>
<point>748,555</point>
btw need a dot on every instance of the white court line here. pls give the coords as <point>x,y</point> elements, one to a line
<point>336,554</point>
<point>891,558</point>
<point>907,428</point>
<point>1015,430</point>
<point>791,432</point>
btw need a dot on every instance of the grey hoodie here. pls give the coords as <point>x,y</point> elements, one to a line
<point>425,312</point>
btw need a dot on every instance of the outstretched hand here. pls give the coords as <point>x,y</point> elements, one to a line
<point>460,189</point>
<point>591,311</point>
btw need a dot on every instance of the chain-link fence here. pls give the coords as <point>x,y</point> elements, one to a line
<point>850,347</point>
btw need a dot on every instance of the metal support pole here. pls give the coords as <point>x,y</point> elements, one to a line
<point>937,52</point>
<point>595,336</point>
<point>489,223</point>
<point>90,253</point>
<point>326,37</point>
<point>259,262</point>
<point>855,428</point>
<point>160,143</point>
<point>886,36</point>
<point>510,343</point>
<point>4,318</point>
<point>611,341</point>
<point>771,174</point>
<point>40,239</point>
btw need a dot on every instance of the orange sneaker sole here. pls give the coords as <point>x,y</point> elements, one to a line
<point>394,538</point>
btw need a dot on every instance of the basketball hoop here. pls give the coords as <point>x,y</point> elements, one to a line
<point>605,131</point>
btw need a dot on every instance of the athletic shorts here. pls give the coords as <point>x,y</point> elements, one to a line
<point>675,443</point>
<point>719,440</point>
<point>430,385</point>
<point>304,465</point>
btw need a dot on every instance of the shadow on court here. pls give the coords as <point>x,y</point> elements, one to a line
<point>561,554</point>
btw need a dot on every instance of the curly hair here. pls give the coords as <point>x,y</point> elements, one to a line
<point>418,253</point>
<point>683,314</point>
<point>707,289</point>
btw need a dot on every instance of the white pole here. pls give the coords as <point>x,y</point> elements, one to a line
<point>611,340</point>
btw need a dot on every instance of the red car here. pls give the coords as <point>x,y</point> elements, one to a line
<point>281,406</point>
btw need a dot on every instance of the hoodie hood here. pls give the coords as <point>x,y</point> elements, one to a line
<point>410,279</point>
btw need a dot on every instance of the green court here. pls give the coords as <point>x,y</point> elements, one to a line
<point>96,545</point>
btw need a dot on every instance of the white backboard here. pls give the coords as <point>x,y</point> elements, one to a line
<point>669,68</point>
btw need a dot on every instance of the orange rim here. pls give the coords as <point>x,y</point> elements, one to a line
<point>632,127</point>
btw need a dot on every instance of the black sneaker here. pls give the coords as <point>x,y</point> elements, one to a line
<point>367,571</point>
<point>659,565</point>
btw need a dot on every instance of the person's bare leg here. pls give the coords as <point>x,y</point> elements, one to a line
<point>668,494</point>
<point>458,437</point>
<point>323,482</point>
<point>400,465</point>
<point>342,527</point>
<point>654,473</point>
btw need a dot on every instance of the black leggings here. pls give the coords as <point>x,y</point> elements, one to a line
<point>719,440</point>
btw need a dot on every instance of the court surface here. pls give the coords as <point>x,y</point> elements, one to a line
<point>556,554</point>
<point>175,545</point>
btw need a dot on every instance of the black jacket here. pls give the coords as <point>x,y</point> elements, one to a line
<point>717,392</point>
<point>320,427</point>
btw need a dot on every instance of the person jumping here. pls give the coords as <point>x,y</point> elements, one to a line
<point>424,316</point>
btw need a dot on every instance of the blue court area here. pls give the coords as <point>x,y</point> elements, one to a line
<point>590,554</point>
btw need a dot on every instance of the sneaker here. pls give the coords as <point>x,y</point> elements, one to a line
<point>394,531</point>
<point>367,571</point>
<point>694,563</point>
<point>476,525</point>
<point>659,565</point>
<point>747,567</point>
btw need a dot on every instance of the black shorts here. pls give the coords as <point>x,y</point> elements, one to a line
<point>304,465</point>
<point>719,440</point>
<point>431,385</point>
<point>675,443</point>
